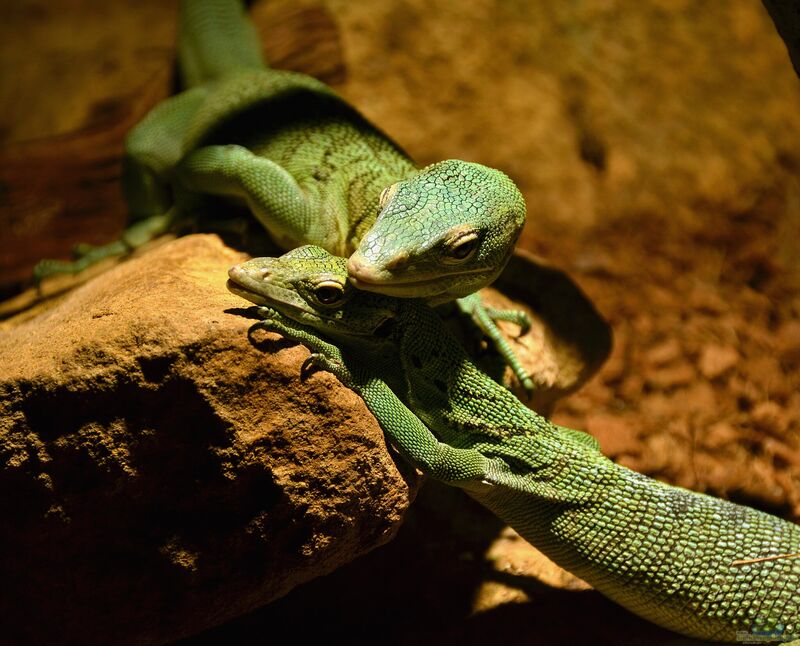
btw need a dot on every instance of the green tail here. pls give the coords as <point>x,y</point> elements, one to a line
<point>215,38</point>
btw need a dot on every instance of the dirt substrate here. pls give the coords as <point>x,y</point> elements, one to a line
<point>701,389</point>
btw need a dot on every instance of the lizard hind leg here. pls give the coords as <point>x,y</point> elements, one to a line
<point>87,255</point>
<point>484,318</point>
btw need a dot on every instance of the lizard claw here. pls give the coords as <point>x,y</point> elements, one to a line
<point>310,364</point>
<point>320,361</point>
<point>266,312</point>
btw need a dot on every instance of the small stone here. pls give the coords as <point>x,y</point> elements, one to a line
<point>770,418</point>
<point>716,360</point>
<point>671,377</point>
<point>787,341</point>
<point>664,353</point>
<point>719,435</point>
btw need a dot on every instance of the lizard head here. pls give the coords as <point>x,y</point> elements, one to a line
<point>310,286</point>
<point>441,234</point>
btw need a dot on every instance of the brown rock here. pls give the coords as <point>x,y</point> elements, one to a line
<point>719,435</point>
<point>161,474</point>
<point>512,555</point>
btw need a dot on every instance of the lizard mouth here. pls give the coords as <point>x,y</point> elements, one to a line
<point>415,288</point>
<point>243,292</point>
<point>434,286</point>
<point>279,299</point>
<point>244,284</point>
<point>374,278</point>
<point>360,280</point>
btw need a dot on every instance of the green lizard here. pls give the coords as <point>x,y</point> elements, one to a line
<point>695,564</point>
<point>313,171</point>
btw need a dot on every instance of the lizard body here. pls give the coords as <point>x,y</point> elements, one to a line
<point>312,170</point>
<point>698,565</point>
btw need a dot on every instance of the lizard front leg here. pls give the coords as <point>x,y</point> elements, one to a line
<point>152,148</point>
<point>272,194</point>
<point>405,431</point>
<point>484,318</point>
<point>324,355</point>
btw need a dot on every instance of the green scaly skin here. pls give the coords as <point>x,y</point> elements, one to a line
<point>313,171</point>
<point>665,553</point>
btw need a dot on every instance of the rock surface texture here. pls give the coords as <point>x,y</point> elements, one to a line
<point>164,471</point>
<point>160,474</point>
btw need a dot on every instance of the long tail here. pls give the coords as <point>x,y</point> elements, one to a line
<point>215,37</point>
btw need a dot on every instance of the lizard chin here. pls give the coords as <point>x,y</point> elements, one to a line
<point>411,289</point>
<point>435,287</point>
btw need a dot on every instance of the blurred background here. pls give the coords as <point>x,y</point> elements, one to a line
<point>658,147</point>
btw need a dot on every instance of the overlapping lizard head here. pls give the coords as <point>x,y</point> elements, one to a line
<point>441,234</point>
<point>311,286</point>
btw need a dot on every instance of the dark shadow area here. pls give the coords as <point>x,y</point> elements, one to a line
<point>420,589</point>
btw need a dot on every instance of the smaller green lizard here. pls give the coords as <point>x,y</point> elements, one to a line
<point>695,564</point>
<point>312,170</point>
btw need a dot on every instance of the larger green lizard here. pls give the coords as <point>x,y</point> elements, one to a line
<point>698,565</point>
<point>313,171</point>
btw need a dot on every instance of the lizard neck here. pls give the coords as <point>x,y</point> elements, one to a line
<point>460,403</point>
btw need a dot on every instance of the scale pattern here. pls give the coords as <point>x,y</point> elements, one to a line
<point>665,553</point>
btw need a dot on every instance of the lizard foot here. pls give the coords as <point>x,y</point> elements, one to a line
<point>86,255</point>
<point>517,317</point>
<point>318,361</point>
<point>324,355</point>
<point>484,318</point>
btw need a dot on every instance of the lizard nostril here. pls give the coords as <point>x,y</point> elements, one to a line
<point>360,269</point>
<point>264,274</point>
<point>353,266</point>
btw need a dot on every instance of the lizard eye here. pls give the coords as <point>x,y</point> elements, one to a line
<point>462,247</point>
<point>386,195</point>
<point>329,292</point>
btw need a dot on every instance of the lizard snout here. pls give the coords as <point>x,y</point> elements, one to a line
<point>359,269</point>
